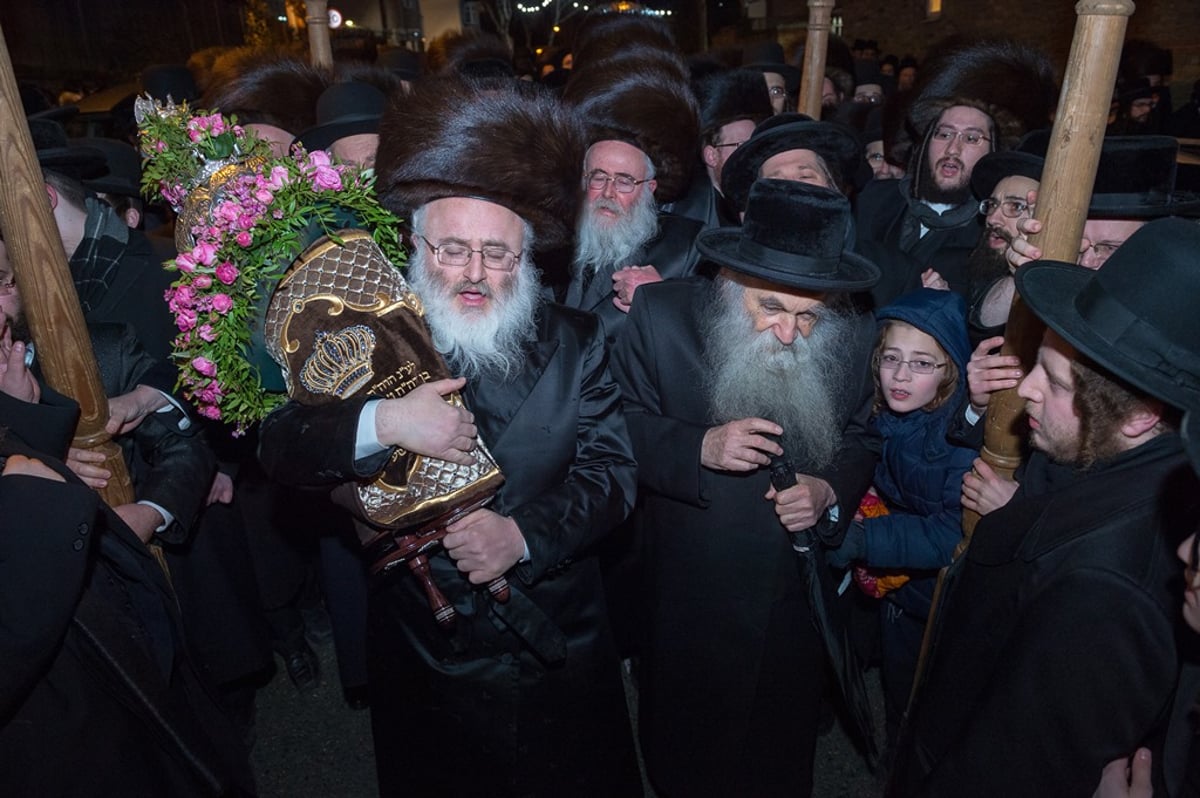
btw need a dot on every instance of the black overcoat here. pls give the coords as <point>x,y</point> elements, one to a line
<point>96,695</point>
<point>732,673</point>
<point>1054,651</point>
<point>522,698</point>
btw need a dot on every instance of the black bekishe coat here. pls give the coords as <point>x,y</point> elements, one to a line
<point>1054,651</point>
<point>733,668</point>
<point>523,698</point>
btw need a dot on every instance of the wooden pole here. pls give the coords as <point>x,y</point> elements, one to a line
<point>813,77</point>
<point>317,19</point>
<point>48,295</point>
<point>1063,197</point>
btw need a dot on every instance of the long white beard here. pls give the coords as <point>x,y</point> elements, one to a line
<point>752,374</point>
<point>605,245</point>
<point>487,343</point>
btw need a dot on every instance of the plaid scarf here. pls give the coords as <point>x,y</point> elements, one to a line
<point>95,261</point>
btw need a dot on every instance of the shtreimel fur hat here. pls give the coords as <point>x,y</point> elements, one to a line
<point>511,144</point>
<point>646,106</point>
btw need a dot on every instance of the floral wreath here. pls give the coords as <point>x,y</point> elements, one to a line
<point>259,219</point>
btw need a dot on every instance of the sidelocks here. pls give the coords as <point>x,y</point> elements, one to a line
<point>288,288</point>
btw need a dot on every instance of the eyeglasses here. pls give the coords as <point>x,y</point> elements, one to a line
<point>495,258</point>
<point>9,287</point>
<point>1011,208</point>
<point>918,366</point>
<point>872,98</point>
<point>598,179</point>
<point>734,144</point>
<point>972,138</point>
<point>1101,250</point>
<point>777,91</point>
<point>874,158</point>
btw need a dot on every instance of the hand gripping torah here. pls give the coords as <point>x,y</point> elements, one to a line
<point>343,322</point>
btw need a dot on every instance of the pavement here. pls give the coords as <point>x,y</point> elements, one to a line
<point>315,746</point>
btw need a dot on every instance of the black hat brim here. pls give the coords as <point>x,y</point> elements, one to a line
<point>1051,289</point>
<point>996,166</point>
<point>837,146</point>
<point>791,74</point>
<point>322,137</point>
<point>852,272</point>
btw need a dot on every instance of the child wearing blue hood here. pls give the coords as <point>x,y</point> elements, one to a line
<point>920,380</point>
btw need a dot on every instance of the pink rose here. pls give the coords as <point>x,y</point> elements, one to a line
<point>185,262</point>
<point>181,298</point>
<point>227,273</point>
<point>222,304</point>
<point>204,252</point>
<point>195,135</point>
<point>202,282</point>
<point>217,124</point>
<point>185,319</point>
<point>228,211</point>
<point>318,158</point>
<point>264,196</point>
<point>206,333</point>
<point>326,178</point>
<point>211,411</point>
<point>244,239</point>
<point>160,146</point>
<point>246,221</point>
<point>204,366</point>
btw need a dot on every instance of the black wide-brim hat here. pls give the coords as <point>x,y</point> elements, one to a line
<point>124,163</point>
<point>56,153</point>
<point>768,57</point>
<point>836,144</point>
<point>344,109</point>
<point>1135,316</point>
<point>794,235</point>
<point>1136,180</point>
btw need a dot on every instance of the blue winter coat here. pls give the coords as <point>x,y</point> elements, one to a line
<point>919,476</point>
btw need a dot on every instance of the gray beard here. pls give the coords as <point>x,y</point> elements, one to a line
<point>602,248</point>
<point>752,374</point>
<point>488,345</point>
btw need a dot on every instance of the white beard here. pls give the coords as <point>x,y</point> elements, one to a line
<point>489,343</point>
<point>751,374</point>
<point>605,245</point>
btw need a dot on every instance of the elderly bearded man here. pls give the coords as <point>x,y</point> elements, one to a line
<point>719,378</point>
<point>523,697</point>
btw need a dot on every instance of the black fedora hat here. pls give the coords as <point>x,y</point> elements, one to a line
<point>1136,180</point>
<point>344,109</point>
<point>768,57</point>
<point>1135,316</point>
<point>56,153</point>
<point>124,167</point>
<point>794,235</point>
<point>837,145</point>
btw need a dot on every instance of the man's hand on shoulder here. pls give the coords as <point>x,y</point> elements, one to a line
<point>20,465</point>
<point>801,506</point>
<point>740,445</point>
<point>484,545</point>
<point>422,421</point>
